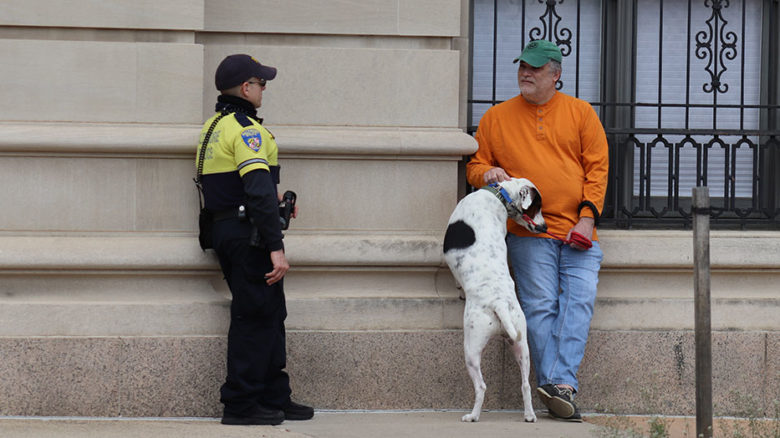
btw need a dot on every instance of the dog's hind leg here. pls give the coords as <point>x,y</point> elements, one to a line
<point>523,358</point>
<point>473,344</point>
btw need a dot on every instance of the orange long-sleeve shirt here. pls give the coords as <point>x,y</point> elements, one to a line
<point>560,146</point>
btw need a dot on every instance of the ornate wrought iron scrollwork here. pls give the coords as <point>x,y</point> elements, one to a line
<point>716,39</point>
<point>552,30</point>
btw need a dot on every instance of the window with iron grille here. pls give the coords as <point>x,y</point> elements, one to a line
<point>687,91</point>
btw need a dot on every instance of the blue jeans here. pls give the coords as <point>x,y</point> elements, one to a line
<point>556,287</point>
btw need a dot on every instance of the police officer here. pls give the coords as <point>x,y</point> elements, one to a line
<point>240,174</point>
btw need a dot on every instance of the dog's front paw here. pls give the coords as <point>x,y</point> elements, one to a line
<point>470,418</point>
<point>530,418</point>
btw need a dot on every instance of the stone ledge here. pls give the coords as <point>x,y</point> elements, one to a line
<point>152,284</point>
<point>114,319</point>
<point>157,139</point>
<point>649,313</point>
<point>159,316</point>
<point>181,253</point>
<point>122,14</point>
<point>154,318</point>
<point>635,250</point>
<point>101,253</point>
<point>674,249</point>
<point>375,17</point>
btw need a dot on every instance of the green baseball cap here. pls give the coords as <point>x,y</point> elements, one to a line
<point>540,52</point>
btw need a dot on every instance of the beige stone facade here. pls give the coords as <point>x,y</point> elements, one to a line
<point>108,307</point>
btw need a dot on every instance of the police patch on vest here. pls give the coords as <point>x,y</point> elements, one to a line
<point>252,138</point>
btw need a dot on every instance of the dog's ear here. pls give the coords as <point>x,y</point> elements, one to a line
<point>526,197</point>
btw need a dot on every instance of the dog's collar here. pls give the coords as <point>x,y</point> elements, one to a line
<point>502,196</point>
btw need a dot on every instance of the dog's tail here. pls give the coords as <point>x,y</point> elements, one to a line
<point>502,311</point>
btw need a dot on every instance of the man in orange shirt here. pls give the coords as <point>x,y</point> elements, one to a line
<point>557,142</point>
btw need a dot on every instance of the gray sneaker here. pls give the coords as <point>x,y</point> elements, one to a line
<point>560,402</point>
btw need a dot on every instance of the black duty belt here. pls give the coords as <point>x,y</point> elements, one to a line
<point>232,213</point>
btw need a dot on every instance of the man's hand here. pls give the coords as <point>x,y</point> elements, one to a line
<point>495,175</point>
<point>584,227</point>
<point>279,260</point>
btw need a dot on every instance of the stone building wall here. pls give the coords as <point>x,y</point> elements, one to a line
<point>108,307</point>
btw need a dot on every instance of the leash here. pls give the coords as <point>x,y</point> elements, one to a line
<point>504,197</point>
<point>576,237</point>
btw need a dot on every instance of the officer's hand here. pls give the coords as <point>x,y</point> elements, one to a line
<point>279,260</point>
<point>495,175</point>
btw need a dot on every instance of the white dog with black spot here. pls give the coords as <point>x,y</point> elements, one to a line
<point>475,250</point>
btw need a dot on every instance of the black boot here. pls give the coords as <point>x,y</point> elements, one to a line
<point>295,411</point>
<point>261,416</point>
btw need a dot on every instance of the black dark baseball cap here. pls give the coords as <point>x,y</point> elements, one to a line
<point>236,69</point>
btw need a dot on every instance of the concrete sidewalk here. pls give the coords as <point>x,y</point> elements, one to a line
<point>328,424</point>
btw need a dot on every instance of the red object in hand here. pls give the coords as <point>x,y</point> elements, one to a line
<point>580,240</point>
<point>576,237</point>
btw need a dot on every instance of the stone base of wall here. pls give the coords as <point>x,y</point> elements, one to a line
<point>135,326</point>
<point>623,371</point>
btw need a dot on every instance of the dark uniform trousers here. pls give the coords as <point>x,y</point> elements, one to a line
<point>256,355</point>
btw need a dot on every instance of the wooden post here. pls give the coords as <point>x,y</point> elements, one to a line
<point>703,337</point>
